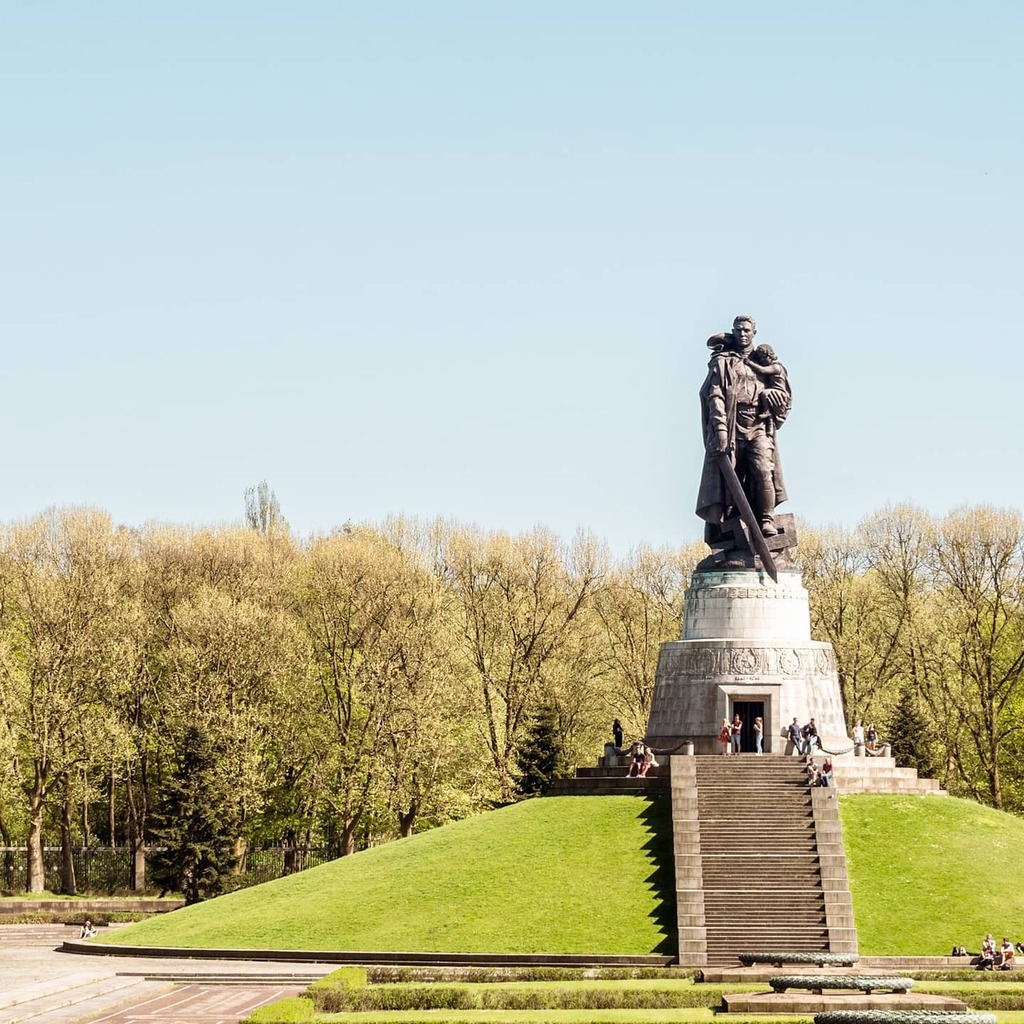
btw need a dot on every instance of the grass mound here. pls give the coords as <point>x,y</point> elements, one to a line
<point>928,874</point>
<point>594,875</point>
<point>558,875</point>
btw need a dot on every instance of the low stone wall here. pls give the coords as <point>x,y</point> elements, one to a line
<point>125,906</point>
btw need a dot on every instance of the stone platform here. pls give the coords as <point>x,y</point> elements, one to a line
<point>880,774</point>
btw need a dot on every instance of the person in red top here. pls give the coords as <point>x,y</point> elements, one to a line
<point>723,737</point>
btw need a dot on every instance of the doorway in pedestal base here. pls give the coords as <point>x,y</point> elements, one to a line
<point>748,710</point>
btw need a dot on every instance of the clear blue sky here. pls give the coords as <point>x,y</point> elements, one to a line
<point>462,258</point>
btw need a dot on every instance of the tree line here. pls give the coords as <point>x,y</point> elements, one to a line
<point>356,687</point>
<point>338,691</point>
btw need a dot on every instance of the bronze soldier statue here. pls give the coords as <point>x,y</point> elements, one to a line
<point>744,400</point>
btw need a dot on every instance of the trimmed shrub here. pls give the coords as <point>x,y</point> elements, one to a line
<point>293,1010</point>
<point>394,997</point>
<point>343,978</point>
<point>1000,999</point>
<point>466,997</point>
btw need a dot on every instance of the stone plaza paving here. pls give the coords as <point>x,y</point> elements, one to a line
<point>40,984</point>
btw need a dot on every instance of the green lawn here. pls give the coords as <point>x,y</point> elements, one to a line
<point>561,875</point>
<point>594,875</point>
<point>930,873</point>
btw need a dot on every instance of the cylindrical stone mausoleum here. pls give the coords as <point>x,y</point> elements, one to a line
<point>746,649</point>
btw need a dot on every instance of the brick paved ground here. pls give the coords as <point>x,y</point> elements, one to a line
<point>39,984</point>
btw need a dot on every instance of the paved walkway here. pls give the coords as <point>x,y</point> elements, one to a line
<point>39,984</point>
<point>198,1004</point>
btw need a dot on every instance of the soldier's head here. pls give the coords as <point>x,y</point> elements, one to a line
<point>744,329</point>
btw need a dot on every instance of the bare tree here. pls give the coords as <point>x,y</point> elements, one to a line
<point>263,510</point>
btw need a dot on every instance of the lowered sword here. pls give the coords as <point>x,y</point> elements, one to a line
<point>757,540</point>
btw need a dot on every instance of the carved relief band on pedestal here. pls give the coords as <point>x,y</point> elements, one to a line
<point>707,662</point>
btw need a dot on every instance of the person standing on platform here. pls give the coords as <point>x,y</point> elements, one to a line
<point>759,735</point>
<point>723,737</point>
<point>809,737</point>
<point>617,734</point>
<point>793,735</point>
<point>736,733</point>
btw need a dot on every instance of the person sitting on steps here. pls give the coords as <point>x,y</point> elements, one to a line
<point>649,763</point>
<point>987,959</point>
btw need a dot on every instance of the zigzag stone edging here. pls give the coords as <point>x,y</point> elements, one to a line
<point>818,982</point>
<point>903,1017</point>
<point>822,959</point>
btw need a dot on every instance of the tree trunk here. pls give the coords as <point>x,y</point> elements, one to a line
<point>241,849</point>
<point>112,807</point>
<point>68,885</point>
<point>34,874</point>
<point>291,855</point>
<point>406,819</point>
<point>348,837</point>
<point>86,827</point>
<point>136,833</point>
<point>8,875</point>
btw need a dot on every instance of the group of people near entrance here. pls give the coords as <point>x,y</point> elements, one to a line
<point>731,735</point>
<point>803,737</point>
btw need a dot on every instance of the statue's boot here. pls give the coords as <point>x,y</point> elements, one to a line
<point>765,495</point>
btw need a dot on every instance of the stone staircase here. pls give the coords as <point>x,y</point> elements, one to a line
<point>880,774</point>
<point>759,860</point>
<point>609,779</point>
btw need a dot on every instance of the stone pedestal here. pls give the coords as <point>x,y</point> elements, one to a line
<point>745,639</point>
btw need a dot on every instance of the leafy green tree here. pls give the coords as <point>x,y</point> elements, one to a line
<point>541,759</point>
<point>195,823</point>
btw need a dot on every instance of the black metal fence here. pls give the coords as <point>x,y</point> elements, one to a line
<point>105,869</point>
